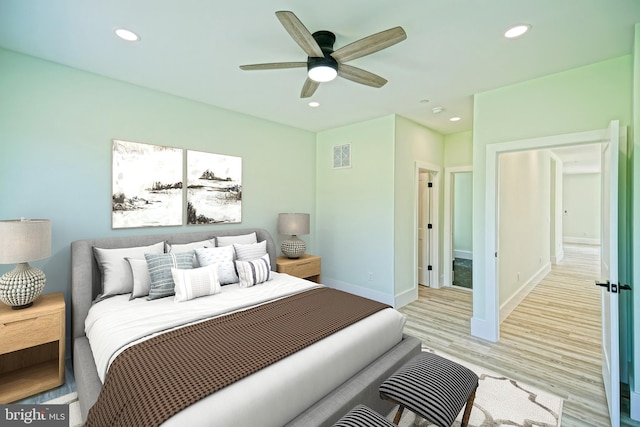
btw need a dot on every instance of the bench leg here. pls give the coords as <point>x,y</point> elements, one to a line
<point>467,409</point>
<point>396,420</point>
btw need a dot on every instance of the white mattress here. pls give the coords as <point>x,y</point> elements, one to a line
<point>270,397</point>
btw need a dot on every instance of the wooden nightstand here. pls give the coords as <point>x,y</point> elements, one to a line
<point>306,267</point>
<point>32,345</point>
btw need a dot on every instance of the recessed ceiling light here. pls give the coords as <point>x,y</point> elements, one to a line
<point>517,31</point>
<point>127,35</point>
<point>424,101</point>
<point>314,104</point>
<point>455,119</point>
<point>437,110</point>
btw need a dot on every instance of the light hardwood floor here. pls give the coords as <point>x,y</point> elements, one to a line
<point>551,340</point>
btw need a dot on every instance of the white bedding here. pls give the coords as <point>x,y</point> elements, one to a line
<point>293,384</point>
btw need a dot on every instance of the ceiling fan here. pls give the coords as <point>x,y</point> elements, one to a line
<point>323,63</point>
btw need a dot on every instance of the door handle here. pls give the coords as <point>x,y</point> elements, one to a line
<point>614,287</point>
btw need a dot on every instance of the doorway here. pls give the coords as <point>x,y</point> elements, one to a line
<point>458,234</point>
<point>492,250</point>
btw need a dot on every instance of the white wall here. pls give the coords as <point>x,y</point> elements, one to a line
<point>556,247</point>
<point>523,221</point>
<point>581,208</point>
<point>462,215</point>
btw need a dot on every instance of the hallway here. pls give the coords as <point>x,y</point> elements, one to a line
<point>551,340</point>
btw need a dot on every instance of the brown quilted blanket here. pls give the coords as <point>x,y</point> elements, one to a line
<point>153,380</point>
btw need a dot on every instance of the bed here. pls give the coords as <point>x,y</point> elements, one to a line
<point>314,386</point>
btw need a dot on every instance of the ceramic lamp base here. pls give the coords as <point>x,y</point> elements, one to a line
<point>293,248</point>
<point>21,286</point>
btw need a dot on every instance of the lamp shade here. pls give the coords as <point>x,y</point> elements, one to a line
<point>293,224</point>
<point>24,240</point>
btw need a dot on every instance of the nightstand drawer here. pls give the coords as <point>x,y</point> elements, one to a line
<point>304,268</point>
<point>25,333</point>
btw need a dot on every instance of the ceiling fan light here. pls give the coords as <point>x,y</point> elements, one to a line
<point>322,73</point>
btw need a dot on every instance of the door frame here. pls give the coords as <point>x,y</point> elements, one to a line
<point>447,244</point>
<point>436,171</point>
<point>489,327</point>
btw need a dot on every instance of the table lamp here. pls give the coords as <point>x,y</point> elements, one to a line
<point>21,241</point>
<point>293,224</point>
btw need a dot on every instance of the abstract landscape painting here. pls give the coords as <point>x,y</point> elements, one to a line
<point>146,185</point>
<point>214,188</point>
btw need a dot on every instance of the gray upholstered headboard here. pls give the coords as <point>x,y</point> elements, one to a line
<point>86,280</point>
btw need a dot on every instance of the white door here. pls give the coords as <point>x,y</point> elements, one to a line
<point>609,273</point>
<point>424,241</point>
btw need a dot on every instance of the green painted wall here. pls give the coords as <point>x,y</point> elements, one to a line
<point>458,149</point>
<point>634,195</point>
<point>355,209</point>
<point>413,143</point>
<point>56,126</point>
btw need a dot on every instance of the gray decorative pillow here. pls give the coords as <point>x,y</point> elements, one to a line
<point>160,266</point>
<point>241,239</point>
<point>251,251</point>
<point>194,283</point>
<point>223,257</point>
<point>116,272</point>
<point>254,272</point>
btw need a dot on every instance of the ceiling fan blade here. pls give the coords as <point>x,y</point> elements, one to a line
<point>370,44</point>
<point>299,33</point>
<point>309,88</point>
<point>361,76</point>
<point>273,66</point>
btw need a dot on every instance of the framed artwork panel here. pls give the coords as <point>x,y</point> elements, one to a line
<point>147,183</point>
<point>214,188</point>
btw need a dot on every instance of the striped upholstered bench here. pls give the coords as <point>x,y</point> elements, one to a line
<point>433,387</point>
<point>363,416</point>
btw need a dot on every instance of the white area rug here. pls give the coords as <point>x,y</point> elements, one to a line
<point>71,399</point>
<point>500,401</point>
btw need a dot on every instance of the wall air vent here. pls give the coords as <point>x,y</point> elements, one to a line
<point>342,156</point>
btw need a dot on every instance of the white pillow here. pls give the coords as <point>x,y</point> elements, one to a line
<point>254,272</point>
<point>141,278</point>
<point>116,272</point>
<point>223,258</point>
<point>241,239</point>
<point>251,251</point>
<point>195,282</point>
<point>187,247</point>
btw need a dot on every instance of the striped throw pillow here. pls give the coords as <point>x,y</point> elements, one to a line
<point>251,251</point>
<point>162,284</point>
<point>254,272</point>
<point>194,283</point>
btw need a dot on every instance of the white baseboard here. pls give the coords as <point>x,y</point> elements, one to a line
<point>359,290</point>
<point>481,328</point>
<point>634,400</point>
<point>558,258</point>
<point>405,298</point>
<point>462,254</point>
<point>581,240</point>
<point>520,294</point>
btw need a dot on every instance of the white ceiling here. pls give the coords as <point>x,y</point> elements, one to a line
<point>192,48</point>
